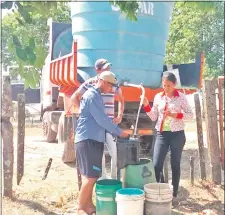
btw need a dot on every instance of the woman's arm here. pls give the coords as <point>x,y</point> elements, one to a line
<point>151,112</point>
<point>186,111</point>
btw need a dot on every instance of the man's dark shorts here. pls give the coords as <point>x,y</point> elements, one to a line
<point>89,158</point>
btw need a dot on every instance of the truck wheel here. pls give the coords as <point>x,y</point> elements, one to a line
<point>48,133</point>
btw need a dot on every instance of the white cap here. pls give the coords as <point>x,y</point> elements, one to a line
<point>109,77</point>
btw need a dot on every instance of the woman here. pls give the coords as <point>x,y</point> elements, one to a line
<point>170,109</point>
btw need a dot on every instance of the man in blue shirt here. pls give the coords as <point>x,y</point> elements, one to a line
<point>90,136</point>
<point>102,65</point>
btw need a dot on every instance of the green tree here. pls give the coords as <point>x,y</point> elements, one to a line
<point>25,42</point>
<point>27,26</point>
<point>192,31</point>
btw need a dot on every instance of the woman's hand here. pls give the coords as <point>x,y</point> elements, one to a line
<point>170,114</point>
<point>145,102</point>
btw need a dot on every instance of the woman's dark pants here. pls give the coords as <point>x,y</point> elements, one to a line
<point>175,142</point>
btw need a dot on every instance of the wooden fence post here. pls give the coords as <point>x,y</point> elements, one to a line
<point>200,136</point>
<point>20,137</point>
<point>203,107</point>
<point>192,171</point>
<point>7,137</point>
<point>209,88</point>
<point>221,117</point>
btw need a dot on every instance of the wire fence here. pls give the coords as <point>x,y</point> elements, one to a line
<point>38,151</point>
<point>32,115</point>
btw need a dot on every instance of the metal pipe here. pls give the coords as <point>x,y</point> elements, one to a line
<point>141,102</point>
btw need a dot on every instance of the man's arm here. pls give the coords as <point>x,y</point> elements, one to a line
<point>119,117</point>
<point>76,97</point>
<point>97,110</point>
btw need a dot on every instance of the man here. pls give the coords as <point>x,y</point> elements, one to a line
<point>90,136</point>
<point>102,65</point>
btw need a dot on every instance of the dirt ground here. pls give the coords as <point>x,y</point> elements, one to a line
<point>57,194</point>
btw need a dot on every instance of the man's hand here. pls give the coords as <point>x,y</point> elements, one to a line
<point>171,114</point>
<point>124,134</point>
<point>117,120</point>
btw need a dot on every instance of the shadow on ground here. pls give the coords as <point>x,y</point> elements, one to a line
<point>189,205</point>
<point>35,206</point>
<point>71,164</point>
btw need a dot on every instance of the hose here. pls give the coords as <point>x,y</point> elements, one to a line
<point>141,102</point>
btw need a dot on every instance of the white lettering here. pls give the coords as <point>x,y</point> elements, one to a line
<point>142,7</point>
<point>150,8</point>
<point>146,8</point>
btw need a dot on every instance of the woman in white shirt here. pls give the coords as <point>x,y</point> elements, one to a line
<point>170,108</point>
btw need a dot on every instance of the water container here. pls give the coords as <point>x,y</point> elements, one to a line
<point>130,201</point>
<point>158,199</point>
<point>136,176</point>
<point>127,152</point>
<point>105,196</point>
<point>135,49</point>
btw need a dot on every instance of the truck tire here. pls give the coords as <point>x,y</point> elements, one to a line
<point>48,133</point>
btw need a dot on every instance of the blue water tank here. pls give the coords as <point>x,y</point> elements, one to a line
<point>135,49</point>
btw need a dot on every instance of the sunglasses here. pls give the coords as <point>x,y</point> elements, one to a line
<point>109,83</point>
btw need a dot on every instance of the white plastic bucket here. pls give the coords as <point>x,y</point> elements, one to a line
<point>158,199</point>
<point>130,201</point>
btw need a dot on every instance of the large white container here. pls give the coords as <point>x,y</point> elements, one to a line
<point>130,201</point>
<point>158,199</point>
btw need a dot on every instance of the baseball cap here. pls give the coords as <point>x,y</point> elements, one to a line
<point>102,64</point>
<point>109,77</point>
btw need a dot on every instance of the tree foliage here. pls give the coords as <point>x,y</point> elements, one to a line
<point>193,31</point>
<point>25,36</point>
<point>129,8</point>
<point>27,27</point>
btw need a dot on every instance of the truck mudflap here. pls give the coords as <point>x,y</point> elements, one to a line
<point>66,137</point>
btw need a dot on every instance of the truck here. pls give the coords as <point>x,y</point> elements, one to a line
<point>135,49</point>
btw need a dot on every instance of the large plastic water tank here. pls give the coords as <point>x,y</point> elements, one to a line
<point>135,49</point>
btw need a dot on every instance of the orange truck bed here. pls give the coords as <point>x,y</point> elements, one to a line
<point>63,72</point>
